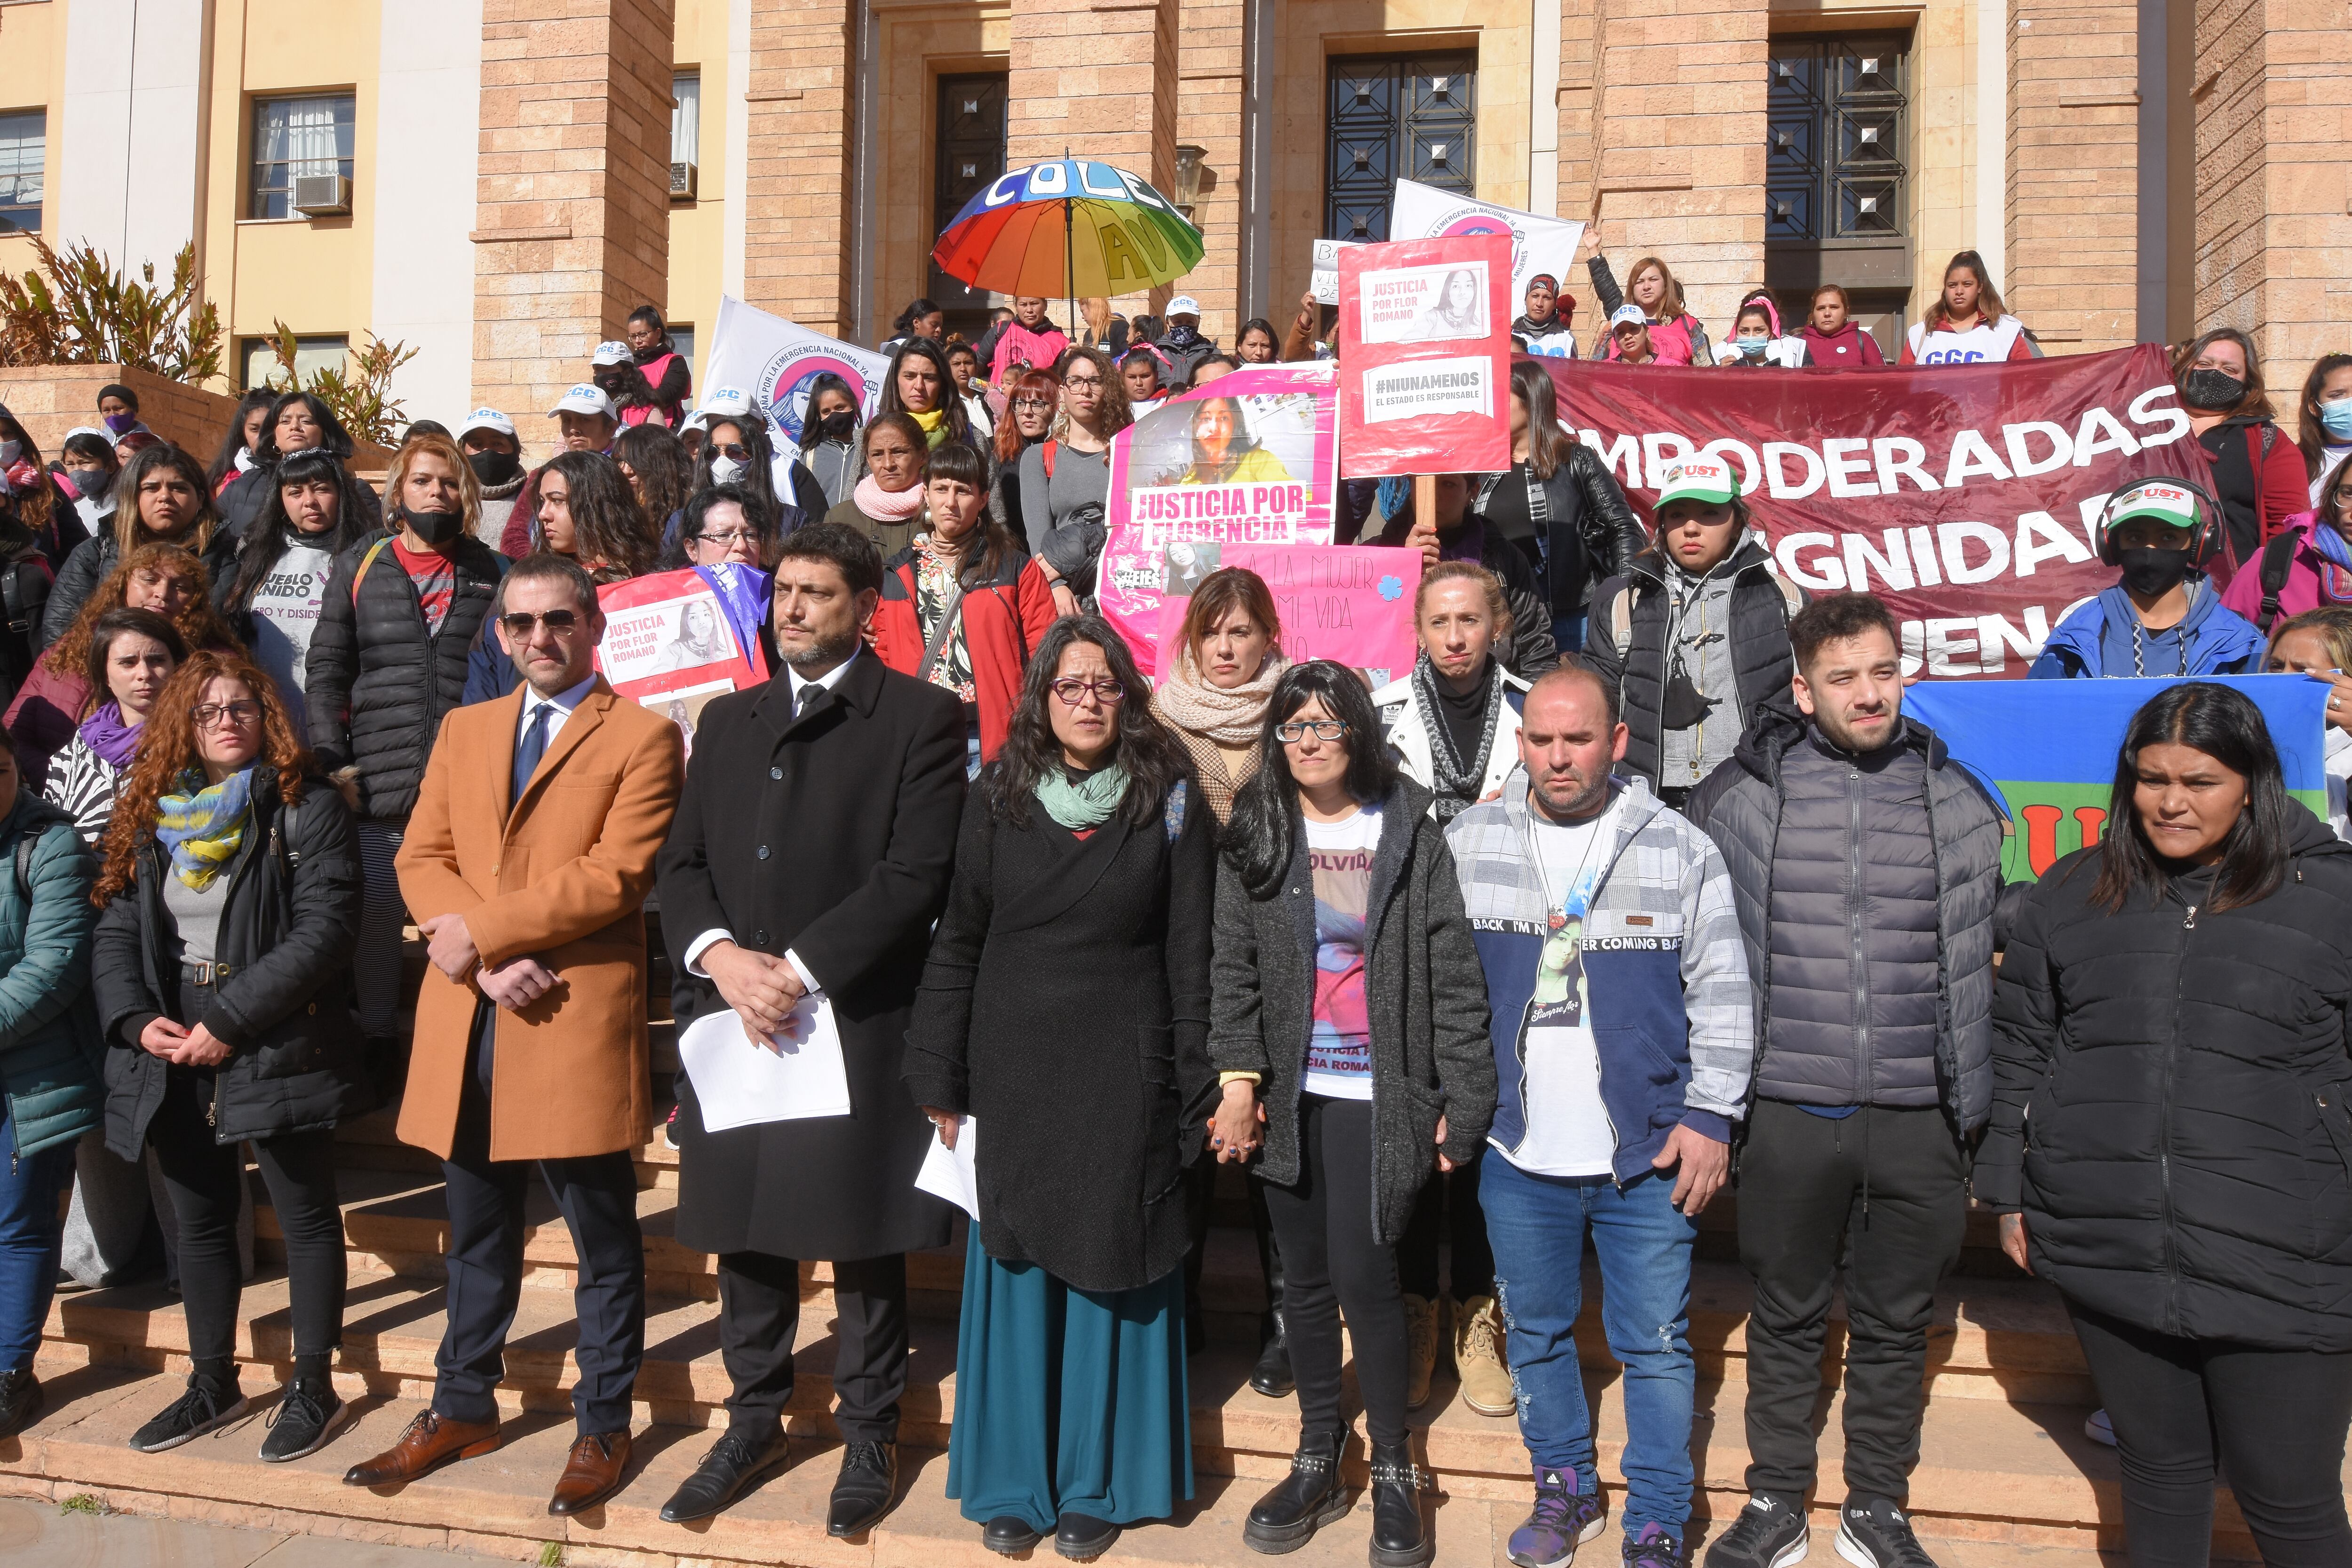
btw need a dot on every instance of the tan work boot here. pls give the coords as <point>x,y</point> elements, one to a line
<point>1478,1357</point>
<point>1420,1349</point>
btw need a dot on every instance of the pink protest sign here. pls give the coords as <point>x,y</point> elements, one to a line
<point>1252,459</point>
<point>1349,604</point>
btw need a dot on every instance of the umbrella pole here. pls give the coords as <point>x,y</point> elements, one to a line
<point>1070,264</point>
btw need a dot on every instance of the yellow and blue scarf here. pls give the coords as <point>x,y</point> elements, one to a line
<point>203,827</point>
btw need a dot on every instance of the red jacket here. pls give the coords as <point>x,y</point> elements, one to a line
<point>1003,620</point>
<point>1847,347</point>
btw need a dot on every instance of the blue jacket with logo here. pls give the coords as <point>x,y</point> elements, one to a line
<point>1665,976</point>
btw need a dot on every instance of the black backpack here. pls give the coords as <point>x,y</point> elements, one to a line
<point>2276,560</point>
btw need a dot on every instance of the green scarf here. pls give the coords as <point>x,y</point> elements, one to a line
<point>1085,804</point>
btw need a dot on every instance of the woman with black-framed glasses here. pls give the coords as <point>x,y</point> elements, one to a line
<point>1062,1023</point>
<point>1349,1068</point>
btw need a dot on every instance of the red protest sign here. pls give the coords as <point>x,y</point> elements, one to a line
<point>1968,498</point>
<point>1425,357</point>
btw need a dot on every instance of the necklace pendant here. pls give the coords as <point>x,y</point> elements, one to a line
<point>1557,920</point>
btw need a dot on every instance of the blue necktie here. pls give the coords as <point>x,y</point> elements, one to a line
<point>529,749</point>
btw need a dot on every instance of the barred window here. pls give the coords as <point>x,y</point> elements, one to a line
<point>296,136</point>
<point>24,142</point>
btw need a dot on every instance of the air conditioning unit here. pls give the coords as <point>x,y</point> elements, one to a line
<point>321,195</point>
<point>681,182</point>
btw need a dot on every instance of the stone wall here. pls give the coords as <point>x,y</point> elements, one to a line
<point>50,401</point>
<point>797,230</point>
<point>572,216</point>
<point>2074,171</point>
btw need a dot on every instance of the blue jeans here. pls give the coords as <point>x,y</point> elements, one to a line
<point>30,1237</point>
<point>1536,1226</point>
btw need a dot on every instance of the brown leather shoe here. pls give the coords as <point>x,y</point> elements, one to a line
<point>592,1473</point>
<point>431,1440</point>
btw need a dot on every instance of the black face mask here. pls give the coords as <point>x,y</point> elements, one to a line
<point>495,467</point>
<point>613,382</point>
<point>2212,389</point>
<point>2148,573</point>
<point>433,527</point>
<point>837,426</point>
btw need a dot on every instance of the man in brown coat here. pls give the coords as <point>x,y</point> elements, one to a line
<point>526,862</point>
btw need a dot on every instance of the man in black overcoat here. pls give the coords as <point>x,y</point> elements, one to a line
<point>811,853</point>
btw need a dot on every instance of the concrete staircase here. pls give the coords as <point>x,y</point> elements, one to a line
<point>2006,1474</point>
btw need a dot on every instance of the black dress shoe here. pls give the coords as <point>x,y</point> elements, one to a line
<point>1400,1535</point>
<point>1007,1535</point>
<point>869,1478</point>
<point>1082,1538</point>
<point>734,1462</point>
<point>1272,1376</point>
<point>1308,1498</point>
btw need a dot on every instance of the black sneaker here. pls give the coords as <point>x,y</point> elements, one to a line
<point>307,1415</point>
<point>20,1401</point>
<point>1770,1532</point>
<point>194,1414</point>
<point>1654,1548</point>
<point>1874,1533</point>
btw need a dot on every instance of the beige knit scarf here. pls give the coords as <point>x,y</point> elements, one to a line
<point>1230,717</point>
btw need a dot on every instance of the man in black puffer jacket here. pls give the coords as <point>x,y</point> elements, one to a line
<point>386,662</point>
<point>1865,865</point>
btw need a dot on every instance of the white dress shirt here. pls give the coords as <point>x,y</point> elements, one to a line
<point>559,705</point>
<point>695,948</point>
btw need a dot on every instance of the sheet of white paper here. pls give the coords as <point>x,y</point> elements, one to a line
<point>740,1083</point>
<point>950,1174</point>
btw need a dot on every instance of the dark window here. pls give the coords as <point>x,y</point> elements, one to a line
<point>295,136</point>
<point>1390,117</point>
<point>1838,119</point>
<point>24,142</point>
<point>968,155</point>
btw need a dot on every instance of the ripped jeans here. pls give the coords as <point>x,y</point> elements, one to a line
<point>1536,1226</point>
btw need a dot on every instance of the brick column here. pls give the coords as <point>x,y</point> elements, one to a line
<point>2074,173</point>
<point>798,242</point>
<point>2273,238</point>
<point>1098,80</point>
<point>1677,142</point>
<point>1208,114</point>
<point>571,214</point>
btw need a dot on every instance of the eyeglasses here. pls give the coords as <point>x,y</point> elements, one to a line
<point>732,536</point>
<point>1325,729</point>
<point>1083,383</point>
<point>520,624</point>
<point>742,454</point>
<point>1040,403</point>
<point>239,714</point>
<point>1072,692</point>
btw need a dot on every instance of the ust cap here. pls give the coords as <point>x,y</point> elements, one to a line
<point>2167,502</point>
<point>1702,478</point>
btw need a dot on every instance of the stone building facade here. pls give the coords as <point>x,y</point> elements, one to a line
<point>523,172</point>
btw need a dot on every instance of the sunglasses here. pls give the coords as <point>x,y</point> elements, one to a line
<point>520,624</point>
<point>742,454</point>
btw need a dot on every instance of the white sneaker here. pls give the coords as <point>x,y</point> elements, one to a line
<point>2098,1428</point>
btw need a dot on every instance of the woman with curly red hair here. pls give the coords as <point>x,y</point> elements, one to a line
<point>230,911</point>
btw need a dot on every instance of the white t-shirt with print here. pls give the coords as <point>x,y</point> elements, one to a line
<point>1567,1132</point>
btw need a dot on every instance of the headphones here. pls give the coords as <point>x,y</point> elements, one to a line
<point>2204,539</point>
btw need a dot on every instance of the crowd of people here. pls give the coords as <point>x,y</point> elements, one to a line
<point>1639,886</point>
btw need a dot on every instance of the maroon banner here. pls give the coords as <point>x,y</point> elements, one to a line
<point>1967,497</point>
<point>1425,356</point>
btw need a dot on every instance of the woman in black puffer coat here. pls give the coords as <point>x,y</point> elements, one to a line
<point>2171,1144</point>
<point>387,662</point>
<point>221,969</point>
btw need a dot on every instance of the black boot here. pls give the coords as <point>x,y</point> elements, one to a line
<point>20,1401</point>
<point>1272,1375</point>
<point>1400,1536</point>
<point>1286,1518</point>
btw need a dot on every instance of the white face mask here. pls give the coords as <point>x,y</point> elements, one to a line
<point>9,452</point>
<point>726,470</point>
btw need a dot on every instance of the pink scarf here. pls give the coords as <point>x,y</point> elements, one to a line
<point>884,506</point>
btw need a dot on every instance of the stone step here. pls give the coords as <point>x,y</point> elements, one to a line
<point>393,1328</point>
<point>1995,1484</point>
<point>1992,1338</point>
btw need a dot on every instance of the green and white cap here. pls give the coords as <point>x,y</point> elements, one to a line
<point>2168,502</point>
<point>1702,476</point>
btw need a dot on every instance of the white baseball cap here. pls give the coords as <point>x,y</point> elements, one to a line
<point>585,397</point>
<point>612,353</point>
<point>487,419</point>
<point>726,403</point>
<point>1627,315</point>
<point>2162,500</point>
<point>1184,305</point>
<point>1703,477</point>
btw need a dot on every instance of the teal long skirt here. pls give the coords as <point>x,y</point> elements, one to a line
<point>1066,1400</point>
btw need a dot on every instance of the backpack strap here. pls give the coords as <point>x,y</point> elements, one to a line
<point>359,576</point>
<point>2277,561</point>
<point>25,846</point>
<point>1045,456</point>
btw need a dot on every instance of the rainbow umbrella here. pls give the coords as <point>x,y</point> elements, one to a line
<point>1072,221</point>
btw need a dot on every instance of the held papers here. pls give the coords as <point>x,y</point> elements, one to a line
<point>740,1083</point>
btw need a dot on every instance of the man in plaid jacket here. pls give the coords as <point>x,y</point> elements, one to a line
<point>1624,1034</point>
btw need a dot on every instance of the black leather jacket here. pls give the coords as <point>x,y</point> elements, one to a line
<point>1590,530</point>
